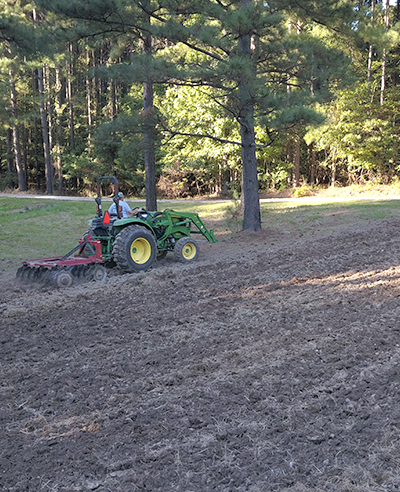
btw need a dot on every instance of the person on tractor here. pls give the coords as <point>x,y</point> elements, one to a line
<point>124,208</point>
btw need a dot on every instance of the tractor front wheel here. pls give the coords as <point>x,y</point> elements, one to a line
<point>186,250</point>
<point>135,249</point>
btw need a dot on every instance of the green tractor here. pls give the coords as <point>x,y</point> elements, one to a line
<point>136,242</point>
<point>132,244</point>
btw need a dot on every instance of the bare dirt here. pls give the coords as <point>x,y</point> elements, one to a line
<point>271,364</point>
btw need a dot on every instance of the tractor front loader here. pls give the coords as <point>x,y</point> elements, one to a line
<point>132,244</point>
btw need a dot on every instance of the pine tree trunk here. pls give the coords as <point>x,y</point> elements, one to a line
<point>371,49</point>
<point>70,102</point>
<point>45,134</point>
<point>89,103</point>
<point>312,165</point>
<point>383,78</point>
<point>149,148</point>
<point>9,158</point>
<point>71,110</point>
<point>22,186</point>
<point>35,129</point>
<point>250,198</point>
<point>149,151</point>
<point>60,136</point>
<point>113,100</point>
<point>333,170</point>
<point>297,164</point>
<point>49,107</point>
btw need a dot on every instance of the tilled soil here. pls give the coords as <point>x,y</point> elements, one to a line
<point>268,365</point>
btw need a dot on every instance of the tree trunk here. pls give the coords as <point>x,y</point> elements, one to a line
<point>45,134</point>
<point>149,151</point>
<point>71,110</point>
<point>371,49</point>
<point>49,107</point>
<point>312,164</point>
<point>35,129</point>
<point>149,131</point>
<point>9,158</point>
<point>383,78</point>
<point>296,183</point>
<point>70,102</point>
<point>113,100</point>
<point>333,176</point>
<point>250,198</point>
<point>89,103</point>
<point>22,186</point>
<point>58,162</point>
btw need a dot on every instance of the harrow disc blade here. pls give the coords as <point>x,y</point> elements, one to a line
<point>22,272</point>
<point>63,279</point>
<point>99,273</point>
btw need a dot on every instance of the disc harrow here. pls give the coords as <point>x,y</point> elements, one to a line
<point>60,277</point>
<point>63,271</point>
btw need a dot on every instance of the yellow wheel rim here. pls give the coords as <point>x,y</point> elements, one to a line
<point>140,251</point>
<point>189,251</point>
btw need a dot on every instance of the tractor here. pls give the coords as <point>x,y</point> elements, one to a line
<point>131,244</point>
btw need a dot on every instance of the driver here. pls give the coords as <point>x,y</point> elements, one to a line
<point>123,207</point>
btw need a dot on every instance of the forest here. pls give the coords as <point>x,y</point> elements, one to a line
<point>203,97</point>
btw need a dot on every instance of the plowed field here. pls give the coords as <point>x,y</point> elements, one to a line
<point>270,364</point>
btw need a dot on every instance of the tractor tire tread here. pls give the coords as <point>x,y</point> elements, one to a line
<point>120,255</point>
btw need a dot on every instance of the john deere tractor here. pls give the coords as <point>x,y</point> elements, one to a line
<point>132,244</point>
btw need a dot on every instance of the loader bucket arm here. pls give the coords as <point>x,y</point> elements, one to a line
<point>208,234</point>
<point>185,220</point>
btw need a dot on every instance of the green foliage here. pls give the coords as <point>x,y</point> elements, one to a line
<point>360,134</point>
<point>17,32</point>
<point>302,56</point>
<point>186,115</point>
<point>304,190</point>
<point>278,58</point>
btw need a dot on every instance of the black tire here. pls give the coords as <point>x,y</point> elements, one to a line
<point>135,249</point>
<point>186,250</point>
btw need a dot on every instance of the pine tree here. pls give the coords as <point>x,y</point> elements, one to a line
<point>17,44</point>
<point>111,21</point>
<point>244,51</point>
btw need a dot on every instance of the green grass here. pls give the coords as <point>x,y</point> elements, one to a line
<point>34,228</point>
<point>306,215</point>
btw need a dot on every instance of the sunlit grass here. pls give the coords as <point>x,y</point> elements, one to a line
<point>304,214</point>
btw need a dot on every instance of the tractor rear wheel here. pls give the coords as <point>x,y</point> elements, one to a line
<point>135,249</point>
<point>186,250</point>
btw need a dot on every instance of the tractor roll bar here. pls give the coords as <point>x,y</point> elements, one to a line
<point>114,180</point>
